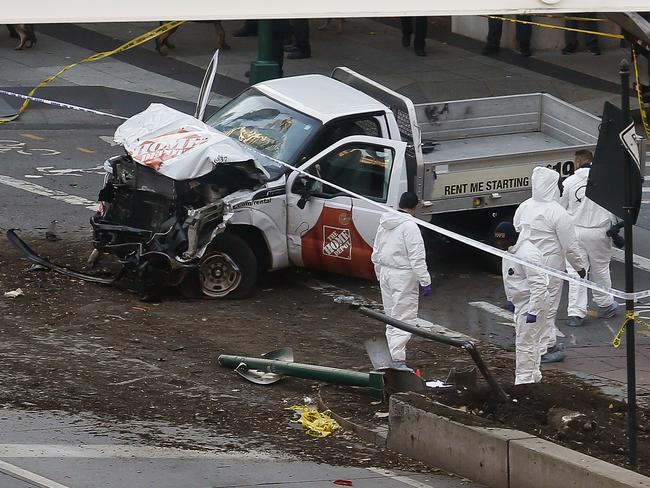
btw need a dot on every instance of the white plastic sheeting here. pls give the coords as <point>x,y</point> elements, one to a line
<point>42,11</point>
<point>177,145</point>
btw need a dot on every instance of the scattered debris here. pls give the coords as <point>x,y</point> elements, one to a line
<point>14,293</point>
<point>562,419</point>
<point>50,233</point>
<point>343,482</point>
<point>174,348</point>
<point>437,384</point>
<point>38,267</point>
<point>346,299</point>
<point>317,424</point>
<point>381,415</point>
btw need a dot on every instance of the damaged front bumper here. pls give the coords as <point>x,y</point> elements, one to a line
<point>155,226</point>
<point>19,244</point>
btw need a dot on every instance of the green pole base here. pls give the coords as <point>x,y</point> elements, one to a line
<point>264,70</point>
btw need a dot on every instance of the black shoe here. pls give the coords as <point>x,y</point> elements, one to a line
<point>406,41</point>
<point>487,50</point>
<point>290,48</point>
<point>298,55</point>
<point>244,32</point>
<point>596,51</point>
<point>247,73</point>
<point>419,51</point>
<point>525,52</point>
<point>570,49</point>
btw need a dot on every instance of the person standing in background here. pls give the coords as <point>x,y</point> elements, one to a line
<point>420,33</point>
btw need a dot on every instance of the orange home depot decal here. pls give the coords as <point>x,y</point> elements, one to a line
<point>155,151</point>
<point>335,245</point>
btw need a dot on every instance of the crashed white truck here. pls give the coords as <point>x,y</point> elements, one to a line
<point>208,205</point>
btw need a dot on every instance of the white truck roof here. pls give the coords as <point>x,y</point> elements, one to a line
<point>320,96</point>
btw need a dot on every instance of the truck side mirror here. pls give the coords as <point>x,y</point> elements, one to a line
<point>302,187</point>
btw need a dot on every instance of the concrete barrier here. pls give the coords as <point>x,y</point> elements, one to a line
<point>498,458</point>
<point>538,463</point>
<point>477,453</point>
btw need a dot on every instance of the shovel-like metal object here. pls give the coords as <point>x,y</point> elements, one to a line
<point>395,379</point>
<point>262,377</point>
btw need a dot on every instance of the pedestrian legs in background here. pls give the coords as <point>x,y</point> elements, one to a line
<point>25,33</point>
<point>163,43</point>
<point>523,33</point>
<point>571,37</point>
<point>301,48</point>
<point>495,30</point>
<point>420,33</point>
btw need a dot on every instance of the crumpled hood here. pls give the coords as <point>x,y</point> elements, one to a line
<point>545,184</point>
<point>390,220</point>
<point>180,146</point>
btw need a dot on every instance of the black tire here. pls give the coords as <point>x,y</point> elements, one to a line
<point>228,249</point>
<point>228,269</point>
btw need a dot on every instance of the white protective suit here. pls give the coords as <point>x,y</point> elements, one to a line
<point>547,224</point>
<point>400,264</point>
<point>591,223</point>
<point>527,289</point>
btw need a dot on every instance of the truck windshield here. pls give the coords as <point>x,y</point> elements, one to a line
<point>269,127</point>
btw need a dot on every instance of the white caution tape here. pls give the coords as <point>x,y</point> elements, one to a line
<point>474,243</point>
<point>440,230</point>
<point>61,104</point>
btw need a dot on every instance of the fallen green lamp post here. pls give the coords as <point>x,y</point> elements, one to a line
<point>372,381</point>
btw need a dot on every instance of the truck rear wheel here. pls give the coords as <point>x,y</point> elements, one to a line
<point>228,269</point>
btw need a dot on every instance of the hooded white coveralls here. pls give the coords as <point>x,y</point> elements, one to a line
<point>400,264</point>
<point>547,224</point>
<point>591,223</point>
<point>527,289</point>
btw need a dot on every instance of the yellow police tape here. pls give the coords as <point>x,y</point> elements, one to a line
<point>559,27</point>
<point>124,47</point>
<point>644,116</point>
<point>570,17</point>
<point>317,424</point>
<point>629,317</point>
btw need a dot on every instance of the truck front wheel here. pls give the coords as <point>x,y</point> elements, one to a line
<point>228,268</point>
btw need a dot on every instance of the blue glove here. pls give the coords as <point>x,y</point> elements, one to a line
<point>510,307</point>
<point>426,291</point>
<point>530,318</point>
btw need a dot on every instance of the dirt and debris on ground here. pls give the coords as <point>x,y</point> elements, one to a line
<point>79,347</point>
<point>562,408</point>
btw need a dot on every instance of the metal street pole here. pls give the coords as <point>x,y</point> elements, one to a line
<point>624,71</point>
<point>266,66</point>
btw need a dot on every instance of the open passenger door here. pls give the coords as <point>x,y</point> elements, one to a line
<point>330,230</point>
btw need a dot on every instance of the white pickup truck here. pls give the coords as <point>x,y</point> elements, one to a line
<point>469,161</point>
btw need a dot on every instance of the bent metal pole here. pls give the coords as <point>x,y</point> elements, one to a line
<point>468,346</point>
<point>624,71</point>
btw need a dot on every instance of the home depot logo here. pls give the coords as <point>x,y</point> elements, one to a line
<point>155,151</point>
<point>337,242</point>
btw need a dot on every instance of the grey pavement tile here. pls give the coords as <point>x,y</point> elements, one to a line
<point>620,375</point>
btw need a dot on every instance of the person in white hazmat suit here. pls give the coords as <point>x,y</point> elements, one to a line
<point>400,264</point>
<point>527,290</point>
<point>549,227</point>
<point>591,223</point>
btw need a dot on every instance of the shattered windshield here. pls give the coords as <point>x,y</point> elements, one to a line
<point>269,127</point>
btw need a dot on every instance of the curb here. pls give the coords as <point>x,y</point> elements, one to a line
<point>377,436</point>
<point>498,458</point>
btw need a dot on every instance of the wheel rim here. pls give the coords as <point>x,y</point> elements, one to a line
<point>219,275</point>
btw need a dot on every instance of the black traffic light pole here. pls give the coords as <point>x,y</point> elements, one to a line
<point>624,71</point>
